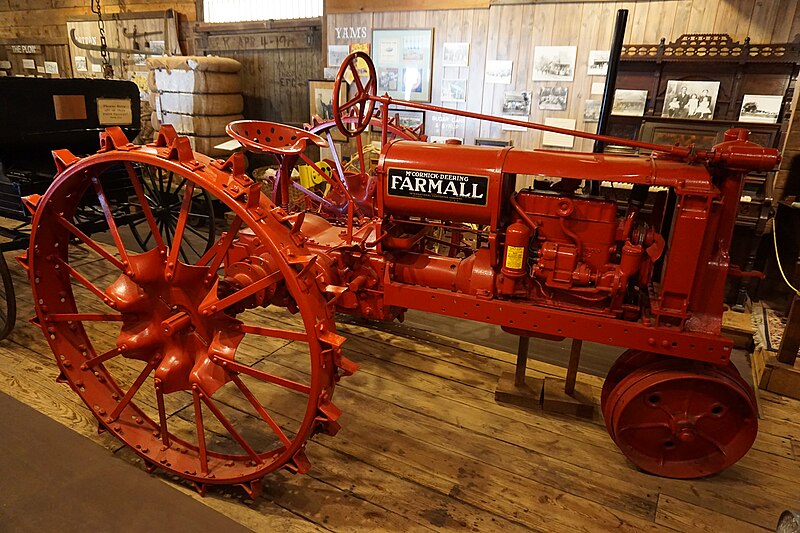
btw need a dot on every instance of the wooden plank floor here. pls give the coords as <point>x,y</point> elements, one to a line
<point>424,446</point>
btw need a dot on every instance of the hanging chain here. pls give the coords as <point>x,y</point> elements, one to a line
<point>108,69</point>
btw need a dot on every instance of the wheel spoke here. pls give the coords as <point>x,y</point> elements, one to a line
<point>235,434</point>
<point>275,333</point>
<point>181,224</point>
<point>162,413</point>
<point>102,358</point>
<point>91,243</point>
<point>238,296</point>
<point>145,204</point>
<point>201,433</point>
<point>263,376</point>
<point>112,226</point>
<point>220,249</point>
<point>356,77</point>
<point>123,403</point>
<point>261,411</point>
<point>85,282</point>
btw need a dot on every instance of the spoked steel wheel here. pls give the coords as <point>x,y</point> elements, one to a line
<point>218,369</point>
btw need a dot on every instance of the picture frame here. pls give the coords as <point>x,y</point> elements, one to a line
<point>409,118</point>
<point>499,72</point>
<point>455,55</point>
<point>690,99</point>
<point>629,102</point>
<point>763,108</point>
<point>553,98</point>
<point>320,98</point>
<point>405,56</point>
<point>598,62</point>
<point>554,63</point>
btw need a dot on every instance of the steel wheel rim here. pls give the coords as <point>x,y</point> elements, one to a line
<point>717,427</point>
<point>97,387</point>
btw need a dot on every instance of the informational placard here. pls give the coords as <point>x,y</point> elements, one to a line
<point>114,111</point>
<point>403,63</point>
<point>29,64</point>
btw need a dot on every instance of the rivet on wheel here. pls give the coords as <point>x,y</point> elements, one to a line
<point>139,421</point>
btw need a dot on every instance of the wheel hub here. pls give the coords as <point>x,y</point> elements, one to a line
<point>162,323</point>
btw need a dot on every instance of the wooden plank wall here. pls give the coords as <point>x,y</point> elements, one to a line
<point>511,32</point>
<point>47,19</point>
<point>274,81</point>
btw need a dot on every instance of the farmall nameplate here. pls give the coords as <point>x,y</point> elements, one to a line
<point>442,186</point>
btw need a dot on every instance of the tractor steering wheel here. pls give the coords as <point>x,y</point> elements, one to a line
<point>363,99</point>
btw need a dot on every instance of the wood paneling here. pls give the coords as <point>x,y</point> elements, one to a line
<point>511,32</point>
<point>274,81</point>
<point>34,19</point>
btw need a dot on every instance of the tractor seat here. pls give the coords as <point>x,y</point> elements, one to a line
<point>271,138</point>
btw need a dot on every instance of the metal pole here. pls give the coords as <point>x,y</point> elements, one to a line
<point>522,361</point>
<point>572,368</point>
<point>611,85</point>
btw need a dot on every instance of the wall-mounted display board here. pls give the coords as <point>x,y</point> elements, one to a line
<point>407,57</point>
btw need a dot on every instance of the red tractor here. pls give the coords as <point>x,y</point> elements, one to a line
<point>439,228</point>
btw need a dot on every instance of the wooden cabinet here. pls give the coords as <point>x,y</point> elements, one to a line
<point>741,68</point>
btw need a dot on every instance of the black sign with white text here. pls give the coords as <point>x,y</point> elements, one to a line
<point>442,186</point>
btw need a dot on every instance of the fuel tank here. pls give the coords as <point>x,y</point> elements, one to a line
<point>452,183</point>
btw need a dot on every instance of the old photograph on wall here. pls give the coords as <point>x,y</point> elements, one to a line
<point>598,62</point>
<point>591,110</point>
<point>454,90</point>
<point>690,99</point>
<point>455,55</point>
<point>517,104</point>
<point>553,98</point>
<point>498,72</point>
<point>629,102</point>
<point>760,108</point>
<point>554,63</point>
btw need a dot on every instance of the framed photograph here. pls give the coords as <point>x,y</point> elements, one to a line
<point>455,55</point>
<point>558,140</point>
<point>320,98</point>
<point>591,110</point>
<point>760,108</point>
<point>498,72</point>
<point>403,60</point>
<point>454,91</point>
<point>690,99</point>
<point>409,118</point>
<point>629,102</point>
<point>517,104</point>
<point>554,63</point>
<point>337,54</point>
<point>553,98</point>
<point>598,62</point>
<point>388,79</point>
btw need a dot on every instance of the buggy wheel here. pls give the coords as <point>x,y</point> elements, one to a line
<point>8,309</point>
<point>164,192</point>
